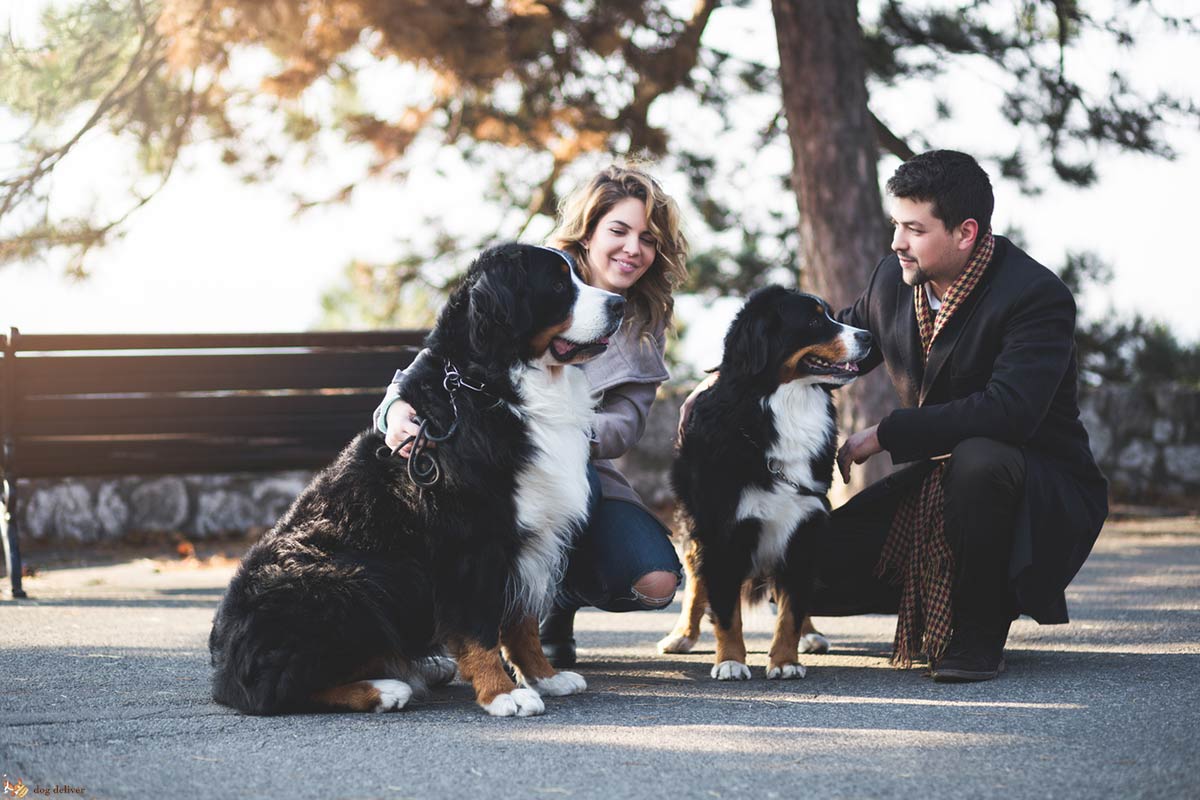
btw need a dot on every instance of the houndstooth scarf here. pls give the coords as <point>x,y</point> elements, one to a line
<point>916,552</point>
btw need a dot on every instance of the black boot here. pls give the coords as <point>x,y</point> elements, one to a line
<point>975,651</point>
<point>557,633</point>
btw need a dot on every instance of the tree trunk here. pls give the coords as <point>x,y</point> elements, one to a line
<point>843,232</point>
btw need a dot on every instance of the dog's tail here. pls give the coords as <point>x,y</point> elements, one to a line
<point>284,633</point>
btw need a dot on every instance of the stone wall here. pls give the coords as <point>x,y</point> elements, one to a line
<point>130,507</point>
<point>1147,440</point>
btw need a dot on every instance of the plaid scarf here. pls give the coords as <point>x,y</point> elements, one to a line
<point>915,551</point>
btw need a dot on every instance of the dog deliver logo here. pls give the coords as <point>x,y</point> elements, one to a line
<point>18,789</point>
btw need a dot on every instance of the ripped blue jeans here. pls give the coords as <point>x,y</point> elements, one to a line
<point>621,543</point>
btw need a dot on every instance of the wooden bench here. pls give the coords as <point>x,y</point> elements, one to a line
<point>153,404</point>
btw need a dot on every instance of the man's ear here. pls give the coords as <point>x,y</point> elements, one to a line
<point>968,231</point>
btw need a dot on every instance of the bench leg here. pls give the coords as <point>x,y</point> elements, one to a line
<point>8,532</point>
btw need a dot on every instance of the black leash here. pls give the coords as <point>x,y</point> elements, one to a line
<point>423,468</point>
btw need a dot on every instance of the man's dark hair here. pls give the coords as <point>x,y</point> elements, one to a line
<point>954,182</point>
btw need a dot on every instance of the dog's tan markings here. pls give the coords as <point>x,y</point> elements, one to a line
<point>523,647</point>
<point>730,644</point>
<point>787,633</point>
<point>357,696</point>
<point>482,667</point>
<point>541,342</point>
<point>832,351</point>
<point>807,627</point>
<point>686,632</point>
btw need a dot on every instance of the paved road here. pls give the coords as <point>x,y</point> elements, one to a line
<point>104,687</point>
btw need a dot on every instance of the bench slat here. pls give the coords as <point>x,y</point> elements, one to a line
<point>297,425</point>
<point>70,375</point>
<point>159,341</point>
<point>179,455</point>
<point>167,414</point>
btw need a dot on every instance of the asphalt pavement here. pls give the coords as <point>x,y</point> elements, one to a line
<point>104,693</point>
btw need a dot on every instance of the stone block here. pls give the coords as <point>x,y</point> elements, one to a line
<point>1100,434</point>
<point>159,504</point>
<point>1137,464</point>
<point>220,511</point>
<point>62,511</point>
<point>1183,463</point>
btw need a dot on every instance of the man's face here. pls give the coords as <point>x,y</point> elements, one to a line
<point>927,251</point>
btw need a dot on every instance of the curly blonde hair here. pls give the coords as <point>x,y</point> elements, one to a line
<point>650,300</point>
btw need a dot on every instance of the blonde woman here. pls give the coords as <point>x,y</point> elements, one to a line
<point>623,231</point>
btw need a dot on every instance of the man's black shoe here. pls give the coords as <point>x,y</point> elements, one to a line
<point>975,653</point>
<point>557,633</point>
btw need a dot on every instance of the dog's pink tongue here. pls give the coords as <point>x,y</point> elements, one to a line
<point>561,346</point>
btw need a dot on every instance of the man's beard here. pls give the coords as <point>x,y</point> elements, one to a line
<point>915,277</point>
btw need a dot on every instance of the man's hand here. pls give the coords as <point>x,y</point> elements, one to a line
<point>686,409</point>
<point>400,426</point>
<point>857,449</point>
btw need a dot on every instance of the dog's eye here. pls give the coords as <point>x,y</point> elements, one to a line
<point>559,286</point>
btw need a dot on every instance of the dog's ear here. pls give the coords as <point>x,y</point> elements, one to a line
<point>499,305</point>
<point>753,335</point>
<point>747,345</point>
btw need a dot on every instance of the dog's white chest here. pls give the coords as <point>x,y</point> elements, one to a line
<point>803,426</point>
<point>552,487</point>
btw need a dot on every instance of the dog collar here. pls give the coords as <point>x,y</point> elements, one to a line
<point>776,470</point>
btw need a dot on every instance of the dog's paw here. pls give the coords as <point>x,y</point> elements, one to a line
<point>560,684</point>
<point>731,671</point>
<point>393,695</point>
<point>814,643</point>
<point>676,643</point>
<point>517,703</point>
<point>785,672</point>
<point>438,670</point>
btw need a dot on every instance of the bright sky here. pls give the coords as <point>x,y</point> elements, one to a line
<point>212,254</point>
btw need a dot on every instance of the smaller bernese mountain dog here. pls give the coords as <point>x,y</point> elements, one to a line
<point>383,565</point>
<point>755,463</point>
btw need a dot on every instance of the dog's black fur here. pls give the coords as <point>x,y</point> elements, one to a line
<point>368,568</point>
<point>733,428</point>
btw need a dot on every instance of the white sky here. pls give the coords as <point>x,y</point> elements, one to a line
<point>212,254</point>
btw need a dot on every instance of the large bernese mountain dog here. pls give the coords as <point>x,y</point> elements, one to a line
<point>754,466</point>
<point>379,570</point>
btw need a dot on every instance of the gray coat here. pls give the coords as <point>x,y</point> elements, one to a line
<point>625,378</point>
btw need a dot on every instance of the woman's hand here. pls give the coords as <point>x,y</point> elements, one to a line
<point>400,426</point>
<point>686,409</point>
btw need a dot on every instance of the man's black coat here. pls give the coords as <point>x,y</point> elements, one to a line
<point>1003,368</point>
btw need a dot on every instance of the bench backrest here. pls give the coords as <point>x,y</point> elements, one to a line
<point>74,405</point>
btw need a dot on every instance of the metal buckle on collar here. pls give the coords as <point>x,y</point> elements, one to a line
<point>776,469</point>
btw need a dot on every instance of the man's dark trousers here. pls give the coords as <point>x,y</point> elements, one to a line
<point>983,485</point>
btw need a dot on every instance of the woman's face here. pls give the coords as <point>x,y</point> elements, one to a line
<point>621,248</point>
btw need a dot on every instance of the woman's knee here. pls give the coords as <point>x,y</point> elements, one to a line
<point>656,589</point>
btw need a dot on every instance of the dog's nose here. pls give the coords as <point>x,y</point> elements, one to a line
<point>616,305</point>
<point>863,338</point>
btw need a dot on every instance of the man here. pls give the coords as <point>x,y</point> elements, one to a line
<point>1001,500</point>
<point>1004,500</point>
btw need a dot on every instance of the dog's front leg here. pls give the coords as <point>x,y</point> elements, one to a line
<point>782,661</point>
<point>686,633</point>
<point>731,647</point>
<point>494,690</point>
<point>523,649</point>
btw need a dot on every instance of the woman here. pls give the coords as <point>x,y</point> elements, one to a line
<point>624,234</point>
